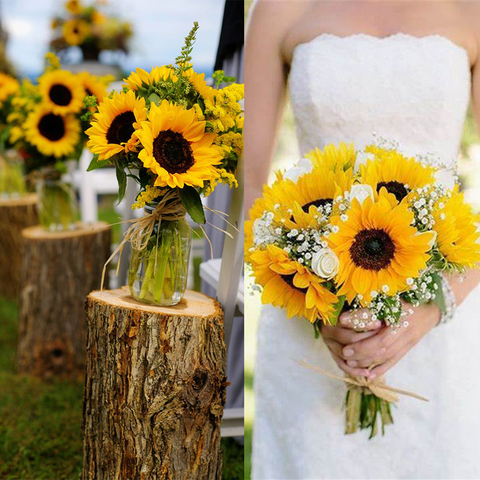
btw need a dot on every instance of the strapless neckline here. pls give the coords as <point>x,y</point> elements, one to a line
<point>408,89</point>
<point>392,37</point>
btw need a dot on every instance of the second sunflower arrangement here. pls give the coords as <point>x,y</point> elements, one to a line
<point>45,122</point>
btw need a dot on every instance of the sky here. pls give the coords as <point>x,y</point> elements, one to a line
<point>160,27</point>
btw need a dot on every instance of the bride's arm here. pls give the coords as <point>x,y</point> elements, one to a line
<point>265,80</point>
<point>354,353</point>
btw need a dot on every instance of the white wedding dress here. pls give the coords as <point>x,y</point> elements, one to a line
<point>415,91</point>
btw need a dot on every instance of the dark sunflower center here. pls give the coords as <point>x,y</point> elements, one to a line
<point>397,188</point>
<point>322,202</point>
<point>372,249</point>
<point>60,95</point>
<point>288,279</point>
<point>51,127</point>
<point>121,129</point>
<point>88,92</point>
<point>173,152</point>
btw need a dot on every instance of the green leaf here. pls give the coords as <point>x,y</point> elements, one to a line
<point>122,181</point>
<point>96,163</point>
<point>154,98</point>
<point>337,310</point>
<point>439,299</point>
<point>201,103</point>
<point>193,203</point>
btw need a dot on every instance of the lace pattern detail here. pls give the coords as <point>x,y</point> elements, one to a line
<point>414,90</point>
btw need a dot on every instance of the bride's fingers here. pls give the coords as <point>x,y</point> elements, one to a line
<point>345,335</point>
<point>359,320</point>
<point>336,351</point>
<point>376,345</point>
<point>379,358</point>
<point>354,372</point>
<point>384,367</point>
<point>334,347</point>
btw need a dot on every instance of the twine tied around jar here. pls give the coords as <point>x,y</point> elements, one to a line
<point>170,208</point>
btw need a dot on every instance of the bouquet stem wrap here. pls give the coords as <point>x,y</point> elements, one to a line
<point>367,400</point>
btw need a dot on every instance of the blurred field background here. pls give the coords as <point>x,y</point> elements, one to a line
<point>286,154</point>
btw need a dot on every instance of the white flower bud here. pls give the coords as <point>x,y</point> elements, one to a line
<point>301,168</point>
<point>325,263</point>
<point>361,192</point>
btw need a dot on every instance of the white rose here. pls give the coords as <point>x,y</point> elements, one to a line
<point>361,192</point>
<point>301,168</point>
<point>325,263</point>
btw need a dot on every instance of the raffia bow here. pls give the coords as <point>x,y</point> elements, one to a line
<point>377,386</point>
<point>366,399</point>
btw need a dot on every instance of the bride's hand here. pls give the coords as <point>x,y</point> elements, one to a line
<point>385,348</point>
<point>336,337</point>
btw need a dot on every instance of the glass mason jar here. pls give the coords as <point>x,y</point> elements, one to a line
<point>57,208</point>
<point>12,181</point>
<point>158,273</point>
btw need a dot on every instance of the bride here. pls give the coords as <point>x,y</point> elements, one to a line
<point>404,70</point>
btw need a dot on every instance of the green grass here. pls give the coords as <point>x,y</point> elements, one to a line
<point>248,427</point>
<point>39,421</point>
<point>40,436</point>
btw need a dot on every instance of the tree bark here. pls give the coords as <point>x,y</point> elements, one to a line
<point>58,271</point>
<point>15,215</point>
<point>154,390</point>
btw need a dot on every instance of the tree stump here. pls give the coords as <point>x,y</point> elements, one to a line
<point>15,215</point>
<point>154,390</point>
<point>58,271</point>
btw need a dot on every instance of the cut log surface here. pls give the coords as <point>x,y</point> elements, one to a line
<point>154,390</point>
<point>58,271</point>
<point>15,215</point>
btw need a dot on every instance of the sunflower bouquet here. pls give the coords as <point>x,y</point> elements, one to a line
<point>12,183</point>
<point>178,138</point>
<point>88,27</point>
<point>346,230</point>
<point>46,125</point>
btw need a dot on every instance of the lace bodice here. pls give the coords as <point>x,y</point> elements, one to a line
<point>414,90</point>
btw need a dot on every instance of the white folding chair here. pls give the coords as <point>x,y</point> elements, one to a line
<point>226,275</point>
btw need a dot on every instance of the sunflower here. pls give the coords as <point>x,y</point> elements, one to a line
<point>176,147</point>
<point>297,204</point>
<point>397,173</point>
<point>75,31</point>
<point>8,86</point>
<point>98,18</point>
<point>73,6</point>
<point>378,248</point>
<point>199,84</point>
<point>457,232</point>
<point>288,284</point>
<point>93,86</point>
<point>62,92</point>
<point>52,134</point>
<point>141,78</point>
<point>113,127</point>
<point>339,157</point>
